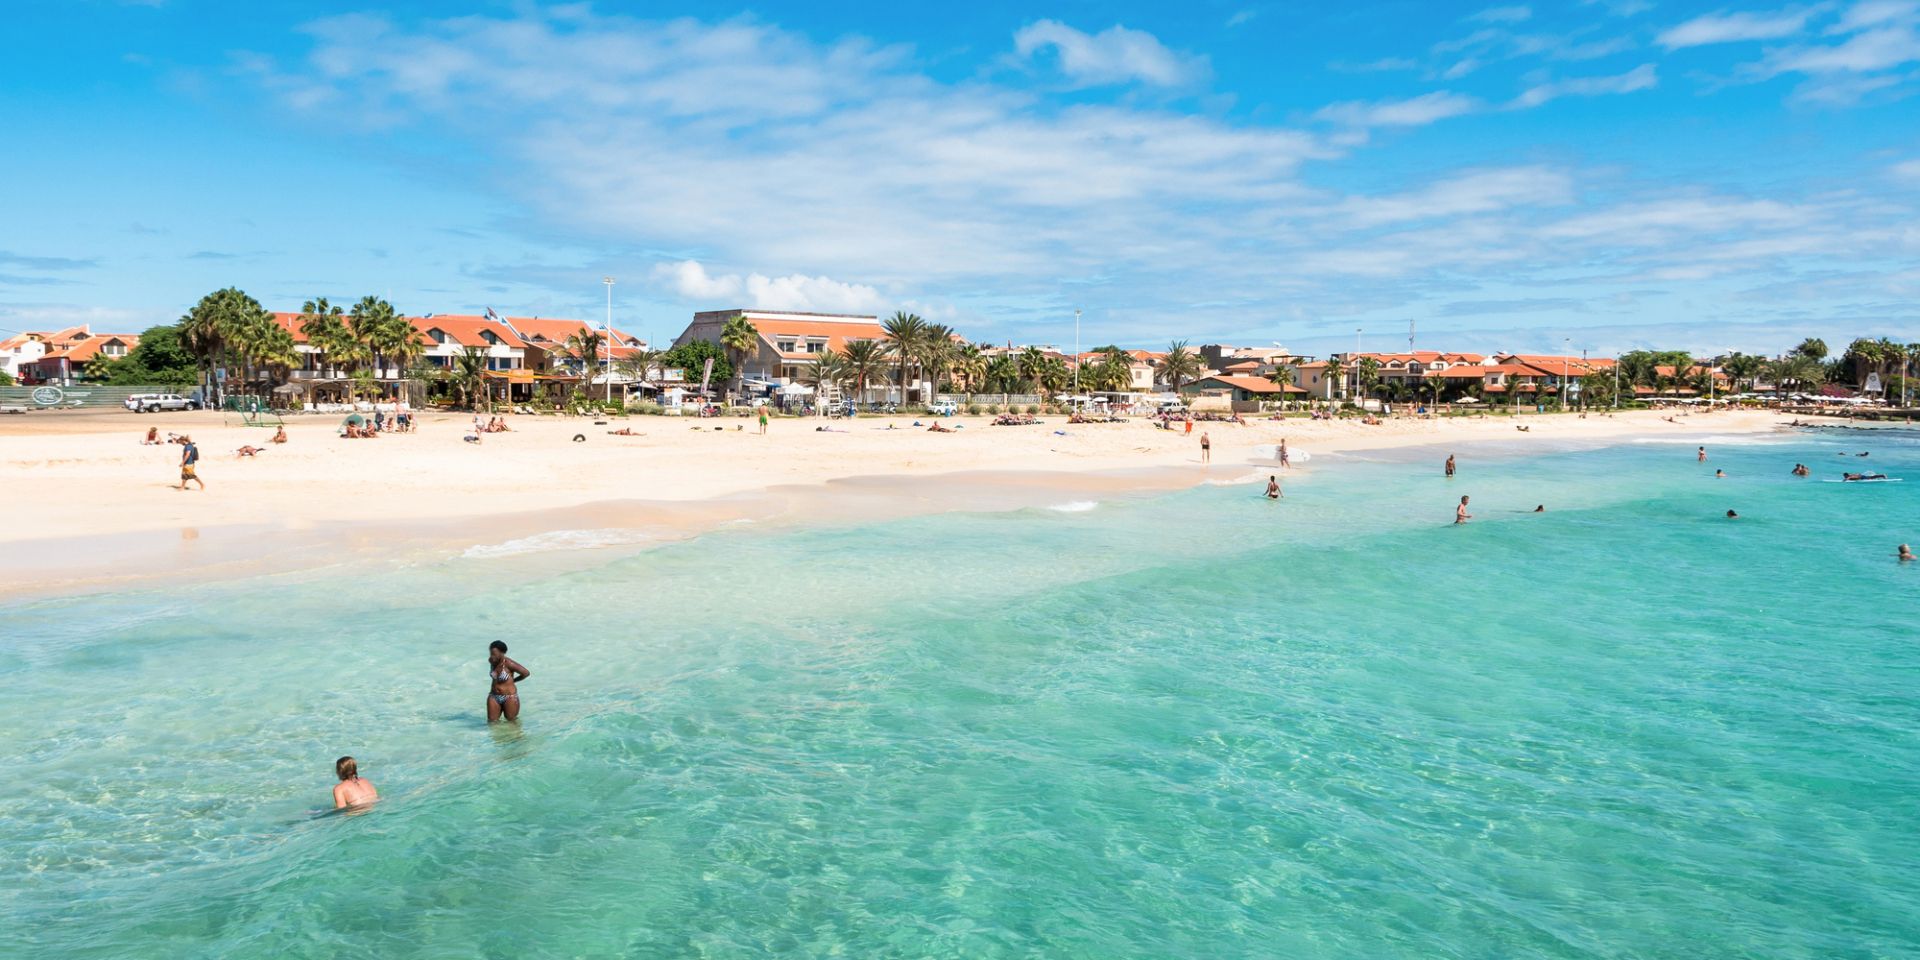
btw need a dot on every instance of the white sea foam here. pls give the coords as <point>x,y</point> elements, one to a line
<point>555,540</point>
<point>1075,506</point>
<point>1236,481</point>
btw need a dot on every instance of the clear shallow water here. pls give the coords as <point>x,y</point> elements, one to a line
<point>1200,725</point>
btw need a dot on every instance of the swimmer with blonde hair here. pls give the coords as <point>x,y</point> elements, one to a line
<point>351,791</point>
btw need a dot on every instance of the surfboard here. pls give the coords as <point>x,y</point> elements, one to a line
<point>1874,480</point>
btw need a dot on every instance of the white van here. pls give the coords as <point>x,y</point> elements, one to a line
<point>944,408</point>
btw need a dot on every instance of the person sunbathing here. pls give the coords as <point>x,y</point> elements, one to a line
<point>153,437</point>
<point>279,436</point>
<point>937,428</point>
<point>249,450</point>
<point>625,432</point>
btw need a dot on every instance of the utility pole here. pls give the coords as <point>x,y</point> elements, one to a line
<point>609,282</point>
<point>1076,351</point>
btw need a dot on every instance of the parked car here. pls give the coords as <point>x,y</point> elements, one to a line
<point>945,408</point>
<point>134,400</point>
<point>167,401</point>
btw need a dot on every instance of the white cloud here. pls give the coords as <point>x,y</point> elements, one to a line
<point>1906,170</point>
<point>1732,28</point>
<point>1867,51</point>
<point>1641,77</point>
<point>1413,112</point>
<point>1475,192</point>
<point>691,281</point>
<point>1872,13</point>
<point>1514,14</point>
<point>1114,55</point>
<point>798,163</point>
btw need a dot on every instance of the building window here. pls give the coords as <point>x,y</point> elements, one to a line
<point>786,346</point>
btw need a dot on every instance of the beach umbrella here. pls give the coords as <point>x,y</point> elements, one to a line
<point>355,420</point>
<point>1468,400</point>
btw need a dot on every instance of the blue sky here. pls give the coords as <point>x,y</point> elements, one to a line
<point>1600,173</point>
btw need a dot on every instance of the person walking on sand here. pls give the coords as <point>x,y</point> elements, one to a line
<point>1273,488</point>
<point>504,676</point>
<point>763,421</point>
<point>1449,464</point>
<point>1206,448</point>
<point>1189,427</point>
<point>352,790</point>
<point>189,460</point>
<point>1284,462</point>
<point>1460,514</point>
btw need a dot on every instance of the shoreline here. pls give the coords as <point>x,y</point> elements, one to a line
<point>298,516</point>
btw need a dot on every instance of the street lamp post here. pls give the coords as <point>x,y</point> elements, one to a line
<point>1076,351</point>
<point>609,282</point>
<point>1566,363</point>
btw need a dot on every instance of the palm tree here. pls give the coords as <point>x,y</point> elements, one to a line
<point>469,378</point>
<point>826,373</point>
<point>740,338</point>
<point>937,354</point>
<point>640,364</point>
<point>1335,372</point>
<point>1283,373</point>
<point>1001,374</point>
<point>970,365</point>
<point>372,320</point>
<point>584,347</point>
<point>1813,348</point>
<point>1795,369</point>
<point>906,337</point>
<point>321,323</point>
<point>214,330</point>
<point>1032,363</point>
<point>1180,365</point>
<point>1366,375</point>
<point>863,359</point>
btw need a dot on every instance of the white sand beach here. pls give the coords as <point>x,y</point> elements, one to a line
<point>91,503</point>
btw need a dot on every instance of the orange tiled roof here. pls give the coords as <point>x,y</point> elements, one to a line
<point>837,333</point>
<point>85,350</point>
<point>1254,384</point>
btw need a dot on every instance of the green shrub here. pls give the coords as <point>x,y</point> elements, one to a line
<point>973,409</point>
<point>993,409</point>
<point>1033,409</point>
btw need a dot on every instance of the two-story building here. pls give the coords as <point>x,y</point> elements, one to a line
<point>61,356</point>
<point>787,344</point>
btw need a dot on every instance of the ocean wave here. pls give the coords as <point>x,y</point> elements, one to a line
<point>555,540</point>
<point>1075,506</point>
<point>1236,481</point>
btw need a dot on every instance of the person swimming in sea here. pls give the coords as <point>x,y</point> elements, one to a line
<point>1460,514</point>
<point>1732,516</point>
<point>1719,474</point>
<point>1703,454</point>
<point>1273,488</point>
<point>504,675</point>
<point>352,790</point>
<point>1800,470</point>
<point>1906,553</point>
<point>1540,509</point>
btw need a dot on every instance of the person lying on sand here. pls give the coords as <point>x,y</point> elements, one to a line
<point>624,432</point>
<point>249,450</point>
<point>937,428</point>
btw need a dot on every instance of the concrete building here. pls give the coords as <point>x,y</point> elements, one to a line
<point>789,340</point>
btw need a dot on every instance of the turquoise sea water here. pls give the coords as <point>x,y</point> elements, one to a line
<point>1193,725</point>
